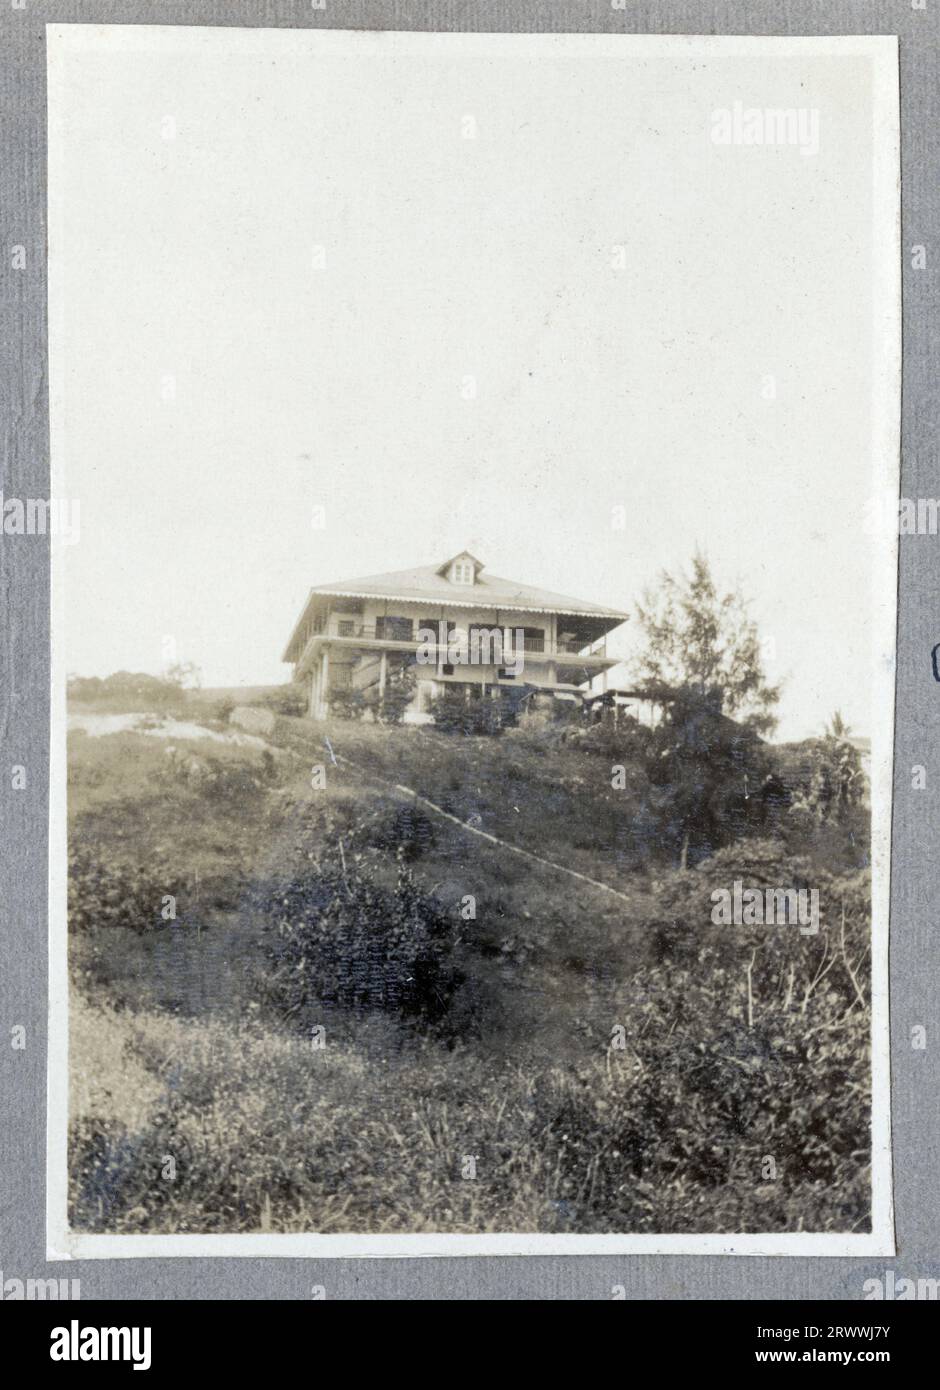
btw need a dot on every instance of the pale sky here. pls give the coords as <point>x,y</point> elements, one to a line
<point>293,270</point>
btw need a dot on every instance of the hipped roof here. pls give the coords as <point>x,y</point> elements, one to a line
<point>429,583</point>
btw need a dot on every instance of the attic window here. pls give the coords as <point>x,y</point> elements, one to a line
<point>462,572</point>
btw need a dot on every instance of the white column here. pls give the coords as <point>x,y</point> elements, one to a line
<point>383,673</point>
<point>325,684</point>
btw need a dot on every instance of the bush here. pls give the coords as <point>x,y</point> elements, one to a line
<point>705,767</point>
<point>390,706</point>
<point>626,741</point>
<point>227,782</point>
<point>737,1046</point>
<point>825,776</point>
<point>101,898</point>
<point>717,1130</point>
<point>455,712</point>
<point>268,1135</point>
<point>406,832</point>
<point>288,699</point>
<point>398,696</point>
<point>347,704</point>
<point>737,1095</point>
<point>337,939</point>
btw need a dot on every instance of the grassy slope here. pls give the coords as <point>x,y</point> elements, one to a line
<point>554,947</point>
<point>172,1056</point>
<point>125,805</point>
<point>269,1134</point>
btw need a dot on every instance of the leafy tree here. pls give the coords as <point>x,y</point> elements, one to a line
<point>709,771</point>
<point>837,727</point>
<point>126,690</point>
<point>185,674</point>
<point>399,693</point>
<point>838,784</point>
<point>703,659</point>
<point>700,640</point>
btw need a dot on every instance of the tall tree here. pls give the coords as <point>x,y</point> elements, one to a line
<point>701,641</point>
<point>837,727</point>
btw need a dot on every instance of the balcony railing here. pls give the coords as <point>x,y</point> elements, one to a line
<point>351,629</point>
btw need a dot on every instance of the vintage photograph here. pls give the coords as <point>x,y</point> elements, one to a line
<point>475,472</point>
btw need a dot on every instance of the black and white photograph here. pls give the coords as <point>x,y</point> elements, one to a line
<point>474,525</point>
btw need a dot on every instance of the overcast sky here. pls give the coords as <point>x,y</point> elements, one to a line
<point>381,277</point>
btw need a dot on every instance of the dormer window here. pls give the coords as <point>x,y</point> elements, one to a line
<point>463,568</point>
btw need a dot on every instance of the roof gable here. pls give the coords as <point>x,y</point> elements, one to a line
<point>463,557</point>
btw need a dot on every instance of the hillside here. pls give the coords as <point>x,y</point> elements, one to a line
<point>263,818</point>
<point>548,1027</point>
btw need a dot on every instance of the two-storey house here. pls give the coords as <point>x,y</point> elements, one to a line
<point>451,624</point>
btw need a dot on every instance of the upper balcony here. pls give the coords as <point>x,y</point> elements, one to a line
<point>401,635</point>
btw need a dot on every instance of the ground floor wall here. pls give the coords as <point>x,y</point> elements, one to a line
<point>344,670</point>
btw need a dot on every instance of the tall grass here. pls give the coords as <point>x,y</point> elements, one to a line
<point>630,1066</point>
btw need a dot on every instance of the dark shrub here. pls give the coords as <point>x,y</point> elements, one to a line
<point>708,770</point>
<point>624,741</point>
<point>390,707</point>
<point>347,704</point>
<point>457,711</point>
<point>407,832</point>
<point>399,694</point>
<point>100,897</point>
<point>335,939</point>
<point>738,1096</point>
<point>825,775</point>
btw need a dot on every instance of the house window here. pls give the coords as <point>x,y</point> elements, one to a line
<point>433,625</point>
<point>462,573</point>
<point>346,627</point>
<point>394,629</point>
